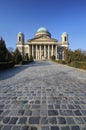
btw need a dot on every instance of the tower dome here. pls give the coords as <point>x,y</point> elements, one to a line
<point>64,33</point>
<point>42,31</point>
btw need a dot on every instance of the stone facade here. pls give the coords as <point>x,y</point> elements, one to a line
<point>42,46</point>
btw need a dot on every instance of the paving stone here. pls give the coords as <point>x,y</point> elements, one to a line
<point>37,102</point>
<point>75,128</point>
<point>7,127</point>
<point>43,107</point>
<point>69,112</point>
<point>6,112</point>
<point>76,102</point>
<point>84,128</point>
<point>33,128</point>
<point>36,112</point>
<point>79,120</point>
<point>77,113</point>
<point>35,106</point>
<point>83,112</point>
<point>71,106</point>
<point>54,128</point>
<point>52,120</point>
<point>43,101</point>
<point>50,107</point>
<point>63,106</point>
<point>13,120</point>
<point>24,102</point>
<point>65,128</point>
<point>25,128</point>
<point>6,119</point>
<point>84,119</point>
<point>44,120</point>
<point>57,106</point>
<point>21,112</point>
<point>1,118</point>
<point>26,106</point>
<point>1,106</point>
<point>45,128</point>
<point>70,120</point>
<point>1,127</point>
<point>16,128</point>
<point>28,113</point>
<point>61,120</point>
<point>52,112</point>
<point>1,112</point>
<point>43,112</point>
<point>22,120</point>
<point>77,106</point>
<point>34,120</point>
<point>63,112</point>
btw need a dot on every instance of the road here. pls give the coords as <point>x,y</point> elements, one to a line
<point>43,95</point>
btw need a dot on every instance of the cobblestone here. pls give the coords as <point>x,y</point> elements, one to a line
<point>43,95</point>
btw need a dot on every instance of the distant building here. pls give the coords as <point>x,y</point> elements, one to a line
<point>42,46</point>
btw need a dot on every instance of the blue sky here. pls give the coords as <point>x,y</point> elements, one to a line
<point>57,16</point>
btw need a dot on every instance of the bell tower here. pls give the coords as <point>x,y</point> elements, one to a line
<point>64,38</point>
<point>20,43</point>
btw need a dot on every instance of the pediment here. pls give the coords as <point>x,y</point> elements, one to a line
<point>43,39</point>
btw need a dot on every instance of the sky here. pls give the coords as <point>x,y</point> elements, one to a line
<point>57,16</point>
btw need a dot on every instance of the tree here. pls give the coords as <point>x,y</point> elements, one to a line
<point>5,55</point>
<point>68,55</point>
<point>17,56</point>
<point>10,49</point>
<point>76,55</point>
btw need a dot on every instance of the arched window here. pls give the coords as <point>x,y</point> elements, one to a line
<point>65,38</point>
<point>19,39</point>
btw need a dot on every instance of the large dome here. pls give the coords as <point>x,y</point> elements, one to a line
<point>42,31</point>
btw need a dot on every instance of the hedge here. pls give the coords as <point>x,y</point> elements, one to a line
<point>78,64</point>
<point>6,65</point>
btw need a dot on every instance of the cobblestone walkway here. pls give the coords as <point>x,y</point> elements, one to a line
<point>43,96</point>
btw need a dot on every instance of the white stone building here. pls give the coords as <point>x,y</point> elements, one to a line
<point>42,46</point>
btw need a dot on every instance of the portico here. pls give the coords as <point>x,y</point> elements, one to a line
<point>41,51</point>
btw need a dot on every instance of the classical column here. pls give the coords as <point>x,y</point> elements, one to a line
<point>40,52</point>
<point>48,51</point>
<point>29,51</point>
<point>45,51</point>
<point>36,52</point>
<point>56,51</point>
<point>52,50</point>
<point>33,51</point>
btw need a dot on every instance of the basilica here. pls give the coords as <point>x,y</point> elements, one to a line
<point>42,46</point>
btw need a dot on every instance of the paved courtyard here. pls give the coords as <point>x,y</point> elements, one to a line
<point>43,96</point>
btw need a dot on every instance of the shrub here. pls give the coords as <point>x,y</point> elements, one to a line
<point>53,57</point>
<point>61,61</point>
<point>78,64</point>
<point>31,58</point>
